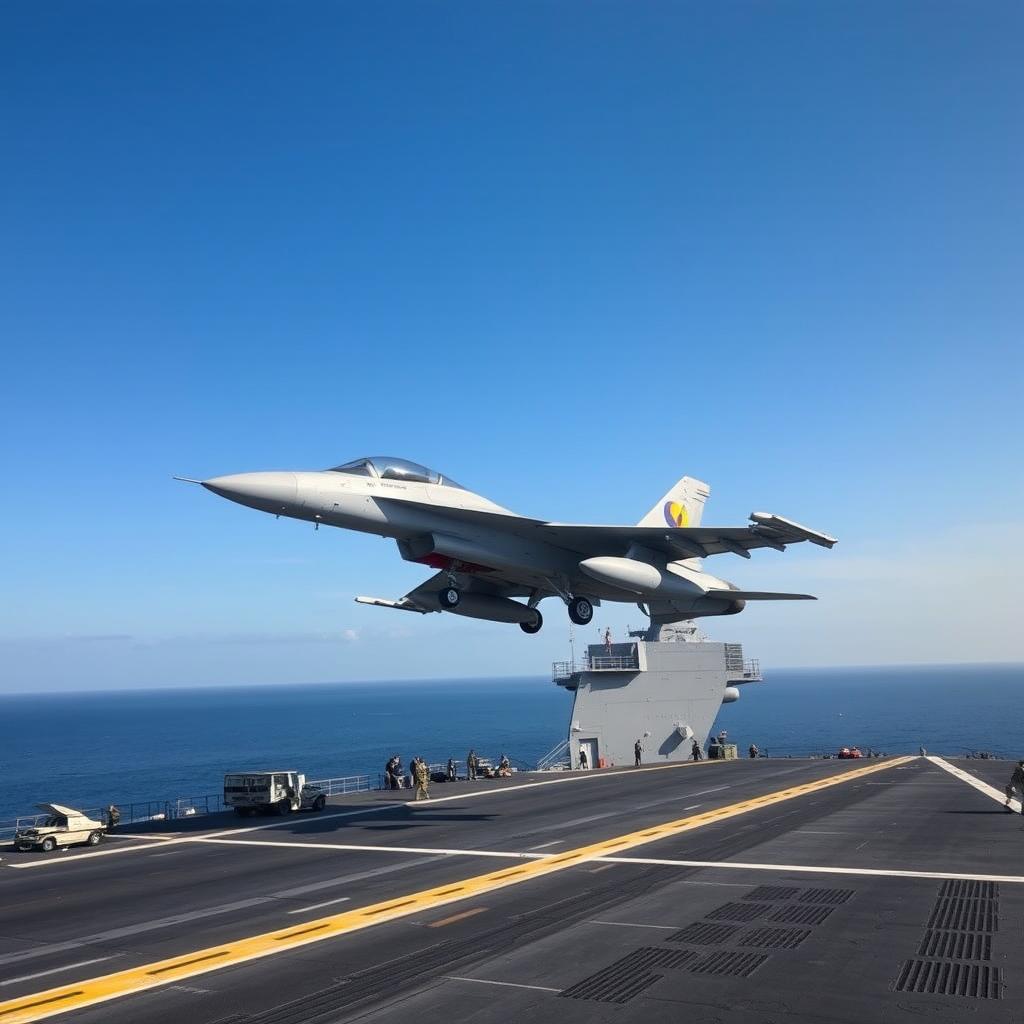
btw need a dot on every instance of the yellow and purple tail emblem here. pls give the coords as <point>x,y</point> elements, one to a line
<point>676,514</point>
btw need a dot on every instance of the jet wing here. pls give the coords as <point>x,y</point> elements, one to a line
<point>424,598</point>
<point>765,531</point>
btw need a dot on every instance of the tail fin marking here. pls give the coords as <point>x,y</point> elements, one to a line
<point>683,505</point>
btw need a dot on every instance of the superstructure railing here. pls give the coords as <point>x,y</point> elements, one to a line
<point>556,757</point>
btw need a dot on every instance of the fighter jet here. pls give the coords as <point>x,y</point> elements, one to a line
<point>494,564</point>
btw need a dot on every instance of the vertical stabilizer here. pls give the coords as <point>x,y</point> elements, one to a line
<point>682,506</point>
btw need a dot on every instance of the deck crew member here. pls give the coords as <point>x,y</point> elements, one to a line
<point>471,764</point>
<point>753,751</point>
<point>695,752</point>
<point>637,751</point>
<point>452,774</point>
<point>421,773</point>
<point>113,817</point>
<point>583,758</point>
<point>1016,783</point>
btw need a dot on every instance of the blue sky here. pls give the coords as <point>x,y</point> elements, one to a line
<point>565,253</point>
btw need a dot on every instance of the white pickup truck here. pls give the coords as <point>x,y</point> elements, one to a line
<point>282,792</point>
<point>61,826</point>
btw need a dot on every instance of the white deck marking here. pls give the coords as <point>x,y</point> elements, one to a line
<point>317,906</point>
<point>544,846</point>
<point>692,807</point>
<point>582,776</point>
<point>57,970</point>
<point>506,984</point>
<point>151,836</point>
<point>181,840</point>
<point>817,870</point>
<point>636,924</point>
<point>290,822</point>
<point>437,851</point>
<point>225,908</point>
<point>973,780</point>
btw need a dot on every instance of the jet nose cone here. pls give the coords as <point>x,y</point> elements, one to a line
<point>271,492</point>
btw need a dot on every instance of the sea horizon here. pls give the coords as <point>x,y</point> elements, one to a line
<point>196,687</point>
<point>87,748</point>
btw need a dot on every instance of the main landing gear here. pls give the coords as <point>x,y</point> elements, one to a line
<point>449,597</point>
<point>581,611</point>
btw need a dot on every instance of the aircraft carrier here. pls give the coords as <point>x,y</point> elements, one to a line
<point>767,890</point>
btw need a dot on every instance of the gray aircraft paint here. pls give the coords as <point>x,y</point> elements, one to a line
<point>490,559</point>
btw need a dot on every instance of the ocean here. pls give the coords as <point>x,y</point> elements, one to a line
<point>93,748</point>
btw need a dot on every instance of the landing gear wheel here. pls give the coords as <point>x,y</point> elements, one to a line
<point>449,597</point>
<point>532,627</point>
<point>581,611</point>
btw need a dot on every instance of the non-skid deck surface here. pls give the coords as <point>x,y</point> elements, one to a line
<point>752,891</point>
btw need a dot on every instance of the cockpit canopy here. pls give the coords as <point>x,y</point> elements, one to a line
<point>385,467</point>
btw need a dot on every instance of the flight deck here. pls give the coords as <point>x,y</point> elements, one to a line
<point>762,890</point>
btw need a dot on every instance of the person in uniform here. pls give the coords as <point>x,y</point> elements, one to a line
<point>637,751</point>
<point>421,773</point>
<point>583,758</point>
<point>113,817</point>
<point>471,764</point>
<point>695,752</point>
<point>1016,783</point>
<point>452,774</point>
<point>753,751</point>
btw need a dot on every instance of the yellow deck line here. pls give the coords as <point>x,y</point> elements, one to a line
<point>54,1001</point>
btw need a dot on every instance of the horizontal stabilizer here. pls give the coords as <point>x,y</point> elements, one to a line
<point>758,595</point>
<point>405,605</point>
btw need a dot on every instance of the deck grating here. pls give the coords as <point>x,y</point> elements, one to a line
<point>956,945</point>
<point>798,914</point>
<point>734,963</point>
<point>702,933</point>
<point>935,977</point>
<point>964,915</point>
<point>968,889</point>
<point>629,976</point>
<point>833,897</point>
<point>774,938</point>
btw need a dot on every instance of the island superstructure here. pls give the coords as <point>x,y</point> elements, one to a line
<point>663,687</point>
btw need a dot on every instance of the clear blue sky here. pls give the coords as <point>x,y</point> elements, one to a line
<point>564,252</point>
